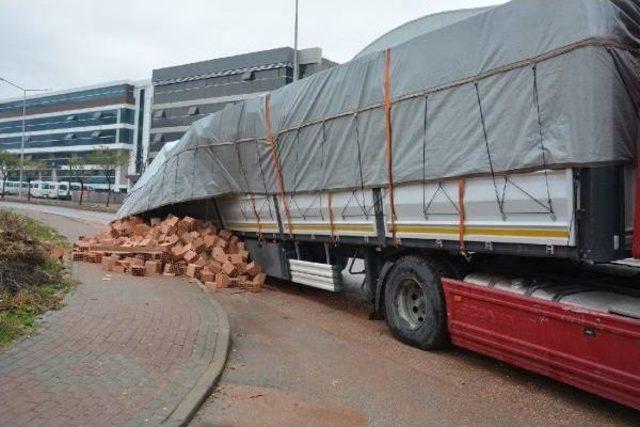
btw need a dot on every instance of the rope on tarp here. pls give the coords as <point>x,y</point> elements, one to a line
<point>354,193</point>
<point>251,197</point>
<point>355,118</point>
<point>264,182</point>
<point>387,116</point>
<point>536,100</point>
<point>425,128</point>
<point>175,179</point>
<point>461,221</point>
<point>486,143</point>
<point>296,177</point>
<point>276,161</point>
<point>427,206</point>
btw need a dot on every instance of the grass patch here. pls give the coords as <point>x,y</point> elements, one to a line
<point>31,282</point>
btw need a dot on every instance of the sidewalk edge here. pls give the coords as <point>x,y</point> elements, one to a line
<point>190,404</point>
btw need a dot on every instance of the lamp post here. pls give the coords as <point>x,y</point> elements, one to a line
<point>24,127</point>
<point>296,70</point>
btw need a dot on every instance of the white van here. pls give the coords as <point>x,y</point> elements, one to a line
<point>13,187</point>
<point>10,187</point>
<point>63,191</point>
<point>44,189</point>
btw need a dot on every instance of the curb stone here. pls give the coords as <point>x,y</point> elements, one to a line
<point>191,402</point>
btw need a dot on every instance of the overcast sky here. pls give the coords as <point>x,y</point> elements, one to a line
<point>61,44</point>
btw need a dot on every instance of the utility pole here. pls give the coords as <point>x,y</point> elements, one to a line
<point>296,70</point>
<point>24,126</point>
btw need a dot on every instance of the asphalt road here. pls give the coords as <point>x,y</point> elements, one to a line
<point>85,216</point>
<point>306,357</point>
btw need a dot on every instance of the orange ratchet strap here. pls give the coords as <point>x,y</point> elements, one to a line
<point>276,162</point>
<point>387,116</point>
<point>332,227</point>
<point>255,212</point>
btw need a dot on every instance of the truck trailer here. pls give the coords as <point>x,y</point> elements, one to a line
<point>484,169</point>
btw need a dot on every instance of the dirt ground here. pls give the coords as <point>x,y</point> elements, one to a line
<point>306,357</point>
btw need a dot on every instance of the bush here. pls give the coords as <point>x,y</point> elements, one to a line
<point>31,282</point>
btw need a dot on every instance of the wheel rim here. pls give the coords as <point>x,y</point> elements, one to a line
<point>411,304</point>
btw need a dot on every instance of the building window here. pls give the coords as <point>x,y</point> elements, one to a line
<point>158,137</point>
<point>159,114</point>
<point>98,115</point>
<point>193,111</point>
<point>127,116</point>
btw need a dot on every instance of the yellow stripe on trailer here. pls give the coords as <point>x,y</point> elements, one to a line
<point>485,231</point>
<point>347,228</point>
<point>251,227</point>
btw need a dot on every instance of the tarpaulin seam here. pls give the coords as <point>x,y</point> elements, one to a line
<point>387,115</point>
<point>276,162</point>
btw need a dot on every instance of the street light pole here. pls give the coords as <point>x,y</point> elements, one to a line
<point>24,126</point>
<point>296,70</point>
<point>22,141</point>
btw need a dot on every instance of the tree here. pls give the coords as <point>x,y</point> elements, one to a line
<point>9,162</point>
<point>77,172</point>
<point>108,161</point>
<point>31,170</point>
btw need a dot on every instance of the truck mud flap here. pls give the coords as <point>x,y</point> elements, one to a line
<point>594,351</point>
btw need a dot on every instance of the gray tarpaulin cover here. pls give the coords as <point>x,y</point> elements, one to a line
<point>528,85</point>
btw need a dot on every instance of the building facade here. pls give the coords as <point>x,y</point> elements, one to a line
<point>71,123</point>
<point>186,93</point>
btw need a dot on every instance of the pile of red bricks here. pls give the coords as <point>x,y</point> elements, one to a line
<point>173,246</point>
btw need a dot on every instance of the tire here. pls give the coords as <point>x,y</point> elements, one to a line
<point>414,302</point>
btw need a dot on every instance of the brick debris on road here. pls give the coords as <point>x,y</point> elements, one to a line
<point>173,246</point>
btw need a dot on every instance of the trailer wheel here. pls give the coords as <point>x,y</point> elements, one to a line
<point>414,302</point>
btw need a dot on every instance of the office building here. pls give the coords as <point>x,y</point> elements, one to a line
<point>72,123</point>
<point>186,93</point>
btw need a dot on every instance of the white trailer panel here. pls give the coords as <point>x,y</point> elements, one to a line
<point>249,213</point>
<point>534,208</point>
<point>341,213</point>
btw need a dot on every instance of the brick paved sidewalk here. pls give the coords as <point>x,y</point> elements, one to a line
<point>121,352</point>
